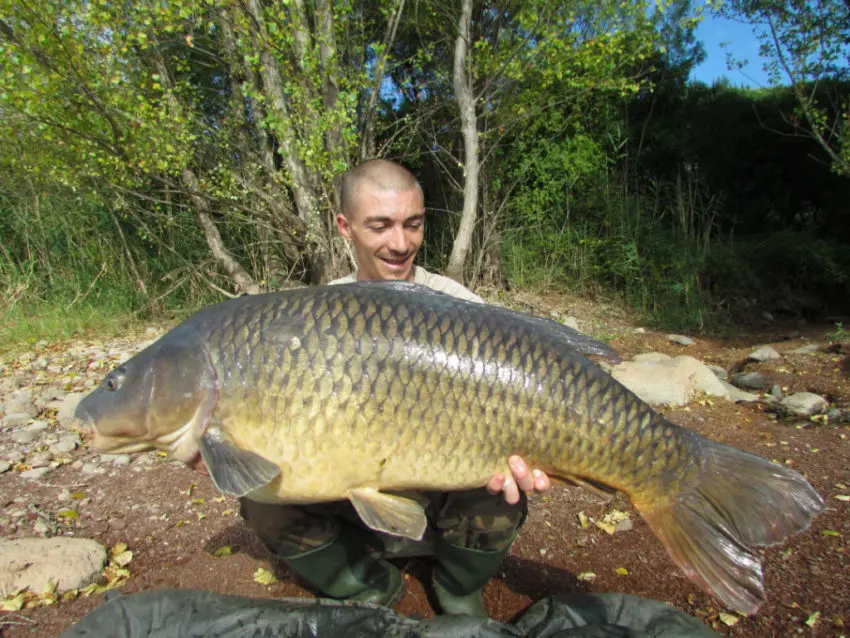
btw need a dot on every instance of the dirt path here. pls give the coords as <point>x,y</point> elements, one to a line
<point>175,522</point>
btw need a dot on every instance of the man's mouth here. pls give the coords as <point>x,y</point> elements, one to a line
<point>395,263</point>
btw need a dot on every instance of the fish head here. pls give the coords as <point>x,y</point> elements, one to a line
<point>161,398</point>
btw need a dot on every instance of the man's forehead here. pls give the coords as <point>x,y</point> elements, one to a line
<point>373,202</point>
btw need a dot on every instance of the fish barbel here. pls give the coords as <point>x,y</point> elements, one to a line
<point>356,391</point>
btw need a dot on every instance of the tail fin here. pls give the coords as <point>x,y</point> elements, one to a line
<point>741,499</point>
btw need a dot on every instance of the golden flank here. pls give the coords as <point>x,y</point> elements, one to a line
<point>360,390</point>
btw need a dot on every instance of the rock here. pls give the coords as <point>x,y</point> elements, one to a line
<point>35,473</point>
<point>32,563</point>
<point>776,392</point>
<point>804,404</point>
<point>16,419</point>
<point>116,459</point>
<point>739,396</point>
<point>40,459</point>
<point>681,340</point>
<point>38,426</point>
<point>91,468</point>
<point>639,331</point>
<point>65,445</point>
<point>765,353</point>
<point>65,414</point>
<point>41,527</point>
<point>653,357</point>
<point>571,322</point>
<point>5,466</point>
<point>23,437</point>
<point>625,525</point>
<point>719,372</point>
<point>807,349</point>
<point>834,415</point>
<point>668,381</point>
<point>20,403</point>
<point>750,380</point>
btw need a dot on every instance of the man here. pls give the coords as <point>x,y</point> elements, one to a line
<point>471,531</point>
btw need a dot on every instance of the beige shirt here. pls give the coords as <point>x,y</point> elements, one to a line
<point>429,279</point>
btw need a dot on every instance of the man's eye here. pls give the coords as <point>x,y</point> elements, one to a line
<point>415,225</point>
<point>377,227</point>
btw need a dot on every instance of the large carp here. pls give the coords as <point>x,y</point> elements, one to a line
<point>353,391</point>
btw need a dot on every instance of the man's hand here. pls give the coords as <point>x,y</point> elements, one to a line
<point>521,479</point>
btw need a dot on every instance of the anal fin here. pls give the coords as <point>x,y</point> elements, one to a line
<point>233,470</point>
<point>389,513</point>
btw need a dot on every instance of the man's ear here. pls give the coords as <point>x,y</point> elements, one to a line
<point>343,225</point>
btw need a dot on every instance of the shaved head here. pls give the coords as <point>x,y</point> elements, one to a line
<point>377,174</point>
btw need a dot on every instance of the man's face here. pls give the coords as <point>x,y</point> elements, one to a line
<point>386,228</point>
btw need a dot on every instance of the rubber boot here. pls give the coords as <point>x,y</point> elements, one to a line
<point>346,570</point>
<point>460,576</point>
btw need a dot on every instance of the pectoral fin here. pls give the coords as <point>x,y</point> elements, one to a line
<point>388,513</point>
<point>234,471</point>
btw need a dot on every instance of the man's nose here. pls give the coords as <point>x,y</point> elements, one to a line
<point>398,240</point>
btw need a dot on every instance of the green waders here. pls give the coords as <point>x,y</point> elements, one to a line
<point>471,533</point>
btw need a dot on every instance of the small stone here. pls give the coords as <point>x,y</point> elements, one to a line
<point>776,392</point>
<point>805,404</point>
<point>639,331</point>
<point>765,353</point>
<point>719,372</point>
<point>16,419</point>
<point>834,415</point>
<point>40,459</point>
<point>38,426</point>
<point>23,437</point>
<point>739,396</point>
<point>571,322</point>
<point>807,349</point>
<point>35,473</point>
<point>653,357</point>
<point>116,459</point>
<point>624,526</point>
<point>64,495</point>
<point>42,343</point>
<point>91,468</point>
<point>750,380</point>
<point>41,528</point>
<point>65,414</point>
<point>5,466</point>
<point>65,445</point>
<point>682,340</point>
<point>145,459</point>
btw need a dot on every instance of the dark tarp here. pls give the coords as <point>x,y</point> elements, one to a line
<point>187,613</point>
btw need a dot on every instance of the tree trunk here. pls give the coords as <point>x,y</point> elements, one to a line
<point>306,200</point>
<point>469,129</point>
<point>244,282</point>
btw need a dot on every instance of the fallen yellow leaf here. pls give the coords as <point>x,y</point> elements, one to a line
<point>829,532</point>
<point>586,576</point>
<point>224,550</point>
<point>264,577</point>
<point>583,520</point>
<point>67,514</point>
<point>812,620</point>
<point>78,495</point>
<point>842,497</point>
<point>197,501</point>
<point>729,619</point>
<point>13,603</point>
<point>118,548</point>
<point>621,571</point>
<point>123,559</point>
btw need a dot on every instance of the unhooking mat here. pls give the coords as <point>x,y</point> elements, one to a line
<point>187,613</point>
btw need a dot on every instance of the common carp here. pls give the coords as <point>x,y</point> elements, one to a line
<point>360,390</point>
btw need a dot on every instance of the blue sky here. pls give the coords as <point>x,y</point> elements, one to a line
<point>741,42</point>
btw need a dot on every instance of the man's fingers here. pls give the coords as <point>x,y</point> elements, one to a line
<point>511,492</point>
<point>496,484</point>
<point>522,475</point>
<point>541,481</point>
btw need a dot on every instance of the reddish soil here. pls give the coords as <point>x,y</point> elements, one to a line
<point>174,535</point>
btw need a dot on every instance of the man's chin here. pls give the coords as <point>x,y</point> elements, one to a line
<point>397,274</point>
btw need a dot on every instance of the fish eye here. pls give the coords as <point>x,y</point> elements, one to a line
<point>114,381</point>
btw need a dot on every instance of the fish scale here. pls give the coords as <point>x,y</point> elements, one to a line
<point>357,390</point>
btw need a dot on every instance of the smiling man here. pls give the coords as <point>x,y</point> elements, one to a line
<point>469,532</point>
